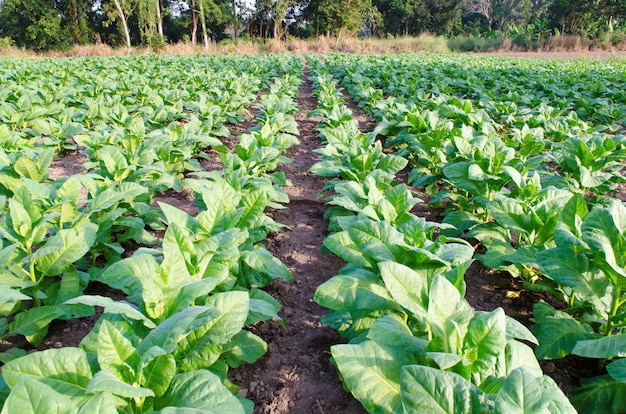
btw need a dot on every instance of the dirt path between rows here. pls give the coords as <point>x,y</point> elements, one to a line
<point>296,376</point>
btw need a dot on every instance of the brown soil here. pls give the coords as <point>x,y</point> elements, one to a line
<point>295,375</point>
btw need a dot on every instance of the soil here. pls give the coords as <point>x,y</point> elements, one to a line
<point>296,375</point>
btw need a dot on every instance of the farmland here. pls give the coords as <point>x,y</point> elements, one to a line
<point>205,232</point>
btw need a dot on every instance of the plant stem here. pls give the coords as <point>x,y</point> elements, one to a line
<point>614,307</point>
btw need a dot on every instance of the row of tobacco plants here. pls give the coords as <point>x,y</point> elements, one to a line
<point>415,343</point>
<point>191,282</point>
<point>523,156</point>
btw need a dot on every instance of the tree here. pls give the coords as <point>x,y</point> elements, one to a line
<point>511,12</point>
<point>122,18</point>
<point>441,13</point>
<point>44,24</point>
<point>402,17</point>
<point>334,17</point>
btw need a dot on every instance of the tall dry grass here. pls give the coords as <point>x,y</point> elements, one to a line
<point>342,44</point>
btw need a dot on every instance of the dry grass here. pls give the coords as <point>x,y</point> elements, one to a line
<point>341,44</point>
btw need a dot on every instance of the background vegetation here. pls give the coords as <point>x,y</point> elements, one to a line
<point>468,24</point>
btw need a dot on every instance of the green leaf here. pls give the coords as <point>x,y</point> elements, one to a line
<point>101,403</point>
<point>179,256</point>
<point>448,315</point>
<point>407,287</point>
<point>515,329</point>
<point>486,339</point>
<point>567,268</point>
<point>617,370</point>
<point>156,370</point>
<point>199,390</point>
<point>70,245</point>
<point>603,348</point>
<point>262,268</point>
<point>20,219</point>
<point>521,393</point>
<point>358,289</point>
<point>510,214</point>
<point>30,396</point>
<point>203,345</point>
<point>114,307</point>
<point>558,335</point>
<point>169,333</point>
<point>104,381</point>
<point>392,331</point>
<point>602,394</point>
<point>372,373</point>
<point>243,347</point>
<point>67,370</point>
<point>126,275</point>
<point>429,390</point>
<point>263,307</point>
<point>34,320</point>
<point>116,353</point>
<point>602,234</point>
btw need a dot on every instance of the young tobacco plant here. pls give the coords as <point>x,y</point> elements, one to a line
<point>588,265</point>
<point>41,258</point>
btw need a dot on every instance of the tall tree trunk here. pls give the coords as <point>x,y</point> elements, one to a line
<point>159,19</point>
<point>124,25</point>
<point>276,28</point>
<point>205,35</point>
<point>194,26</point>
<point>236,23</point>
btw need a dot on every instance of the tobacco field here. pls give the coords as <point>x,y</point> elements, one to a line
<point>321,233</point>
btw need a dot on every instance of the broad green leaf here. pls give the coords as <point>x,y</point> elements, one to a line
<point>104,381</point>
<point>372,373</point>
<point>511,214</point>
<point>392,331</point>
<point>515,329</point>
<point>485,339</point>
<point>558,334</point>
<point>72,245</point>
<point>116,353</point>
<point>356,290</point>
<point>448,316</point>
<point>169,333</point>
<point>188,294</point>
<point>263,267</point>
<point>203,344</point>
<point>67,370</point>
<point>602,348</point>
<point>342,245</point>
<point>114,307</point>
<point>243,347</point>
<point>179,256</point>
<point>521,393</point>
<point>377,240</point>
<point>567,268</point>
<point>30,396</point>
<point>263,307</point>
<point>35,319</point>
<point>429,390</point>
<point>20,219</point>
<point>156,370</point>
<point>407,287</point>
<point>126,275</point>
<point>101,403</point>
<point>617,370</point>
<point>602,394</point>
<point>198,390</point>
<point>601,233</point>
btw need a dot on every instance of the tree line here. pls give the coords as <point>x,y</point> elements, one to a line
<point>58,24</point>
